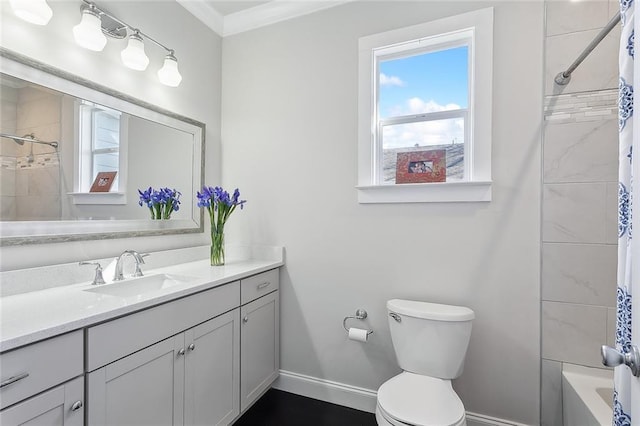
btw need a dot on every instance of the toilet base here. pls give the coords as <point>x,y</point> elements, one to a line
<point>382,421</point>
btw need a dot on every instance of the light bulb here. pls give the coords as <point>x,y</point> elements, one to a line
<point>88,33</point>
<point>35,11</point>
<point>169,74</point>
<point>133,56</point>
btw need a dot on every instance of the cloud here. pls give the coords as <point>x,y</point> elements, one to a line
<point>426,133</point>
<point>391,81</point>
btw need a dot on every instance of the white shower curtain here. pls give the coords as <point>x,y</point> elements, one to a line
<point>622,375</point>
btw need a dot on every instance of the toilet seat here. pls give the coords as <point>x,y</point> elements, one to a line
<point>412,399</point>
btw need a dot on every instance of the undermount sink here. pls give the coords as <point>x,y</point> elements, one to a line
<point>139,286</point>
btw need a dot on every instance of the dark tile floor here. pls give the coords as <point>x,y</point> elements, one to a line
<point>279,408</point>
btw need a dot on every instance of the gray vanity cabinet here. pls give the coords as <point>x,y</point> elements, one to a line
<point>188,379</point>
<point>42,383</point>
<point>60,406</point>
<point>260,336</point>
<point>143,388</point>
<point>212,371</point>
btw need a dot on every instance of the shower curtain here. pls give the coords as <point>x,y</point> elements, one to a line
<point>622,375</point>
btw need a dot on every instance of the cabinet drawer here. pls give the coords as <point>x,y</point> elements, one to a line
<point>62,405</point>
<point>259,285</point>
<point>41,365</point>
<point>118,338</point>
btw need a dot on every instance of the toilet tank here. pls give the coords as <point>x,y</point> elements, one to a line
<point>429,338</point>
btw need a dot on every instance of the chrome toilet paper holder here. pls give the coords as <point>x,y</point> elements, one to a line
<point>360,315</point>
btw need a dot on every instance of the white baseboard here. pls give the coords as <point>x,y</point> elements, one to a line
<point>475,419</point>
<point>325,390</point>
<point>355,397</point>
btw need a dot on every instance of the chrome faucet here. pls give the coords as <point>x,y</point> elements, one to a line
<point>119,276</point>
<point>97,279</point>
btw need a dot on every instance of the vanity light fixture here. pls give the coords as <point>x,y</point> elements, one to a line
<point>169,74</point>
<point>96,20</point>
<point>88,33</point>
<point>35,11</point>
<point>133,56</point>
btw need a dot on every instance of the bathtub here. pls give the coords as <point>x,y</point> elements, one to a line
<point>587,396</point>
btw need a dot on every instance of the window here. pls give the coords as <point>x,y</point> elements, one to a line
<point>99,143</point>
<point>425,112</point>
<point>101,146</point>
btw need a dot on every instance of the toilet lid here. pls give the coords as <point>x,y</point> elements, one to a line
<point>420,400</point>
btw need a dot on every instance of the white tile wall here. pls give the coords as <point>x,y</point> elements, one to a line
<point>581,151</point>
<point>611,327</point>
<point>571,16</point>
<point>39,207</point>
<point>611,213</point>
<point>7,181</point>
<point>579,273</point>
<point>614,7</point>
<point>551,393</point>
<point>7,208</point>
<point>598,71</point>
<point>574,212</point>
<point>573,333</point>
<point>579,229</point>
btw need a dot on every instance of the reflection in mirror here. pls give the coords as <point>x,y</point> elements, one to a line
<point>59,132</point>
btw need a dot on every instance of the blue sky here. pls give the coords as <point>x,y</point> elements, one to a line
<point>429,82</point>
<point>440,77</point>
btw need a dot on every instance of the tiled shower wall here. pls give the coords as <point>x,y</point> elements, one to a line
<point>30,188</point>
<point>579,221</point>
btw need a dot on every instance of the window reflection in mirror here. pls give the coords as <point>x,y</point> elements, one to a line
<point>100,139</point>
<point>62,131</point>
<point>42,183</point>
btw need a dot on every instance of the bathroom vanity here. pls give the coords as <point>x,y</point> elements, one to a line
<point>199,352</point>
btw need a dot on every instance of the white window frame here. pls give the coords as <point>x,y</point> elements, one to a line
<point>477,29</point>
<point>83,158</point>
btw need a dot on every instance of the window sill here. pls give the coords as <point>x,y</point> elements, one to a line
<point>116,198</point>
<point>445,192</point>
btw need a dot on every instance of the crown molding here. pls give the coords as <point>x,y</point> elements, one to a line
<point>205,13</point>
<point>254,17</point>
<point>273,12</point>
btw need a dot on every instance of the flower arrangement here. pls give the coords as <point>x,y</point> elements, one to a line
<point>220,205</point>
<point>161,203</point>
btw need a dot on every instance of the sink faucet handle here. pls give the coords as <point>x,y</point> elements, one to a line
<point>98,278</point>
<point>139,261</point>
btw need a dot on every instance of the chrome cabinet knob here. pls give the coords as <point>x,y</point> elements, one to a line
<point>245,319</point>
<point>181,352</point>
<point>611,357</point>
<point>76,406</point>
<point>192,347</point>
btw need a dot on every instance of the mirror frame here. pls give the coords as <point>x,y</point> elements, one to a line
<point>83,230</point>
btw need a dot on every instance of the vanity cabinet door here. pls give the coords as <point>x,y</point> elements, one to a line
<point>260,347</point>
<point>212,374</point>
<point>144,388</point>
<point>60,406</point>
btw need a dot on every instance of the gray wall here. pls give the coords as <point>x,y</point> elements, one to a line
<point>198,51</point>
<point>579,240</point>
<point>290,144</point>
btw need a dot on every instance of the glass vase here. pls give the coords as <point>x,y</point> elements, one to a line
<point>217,248</point>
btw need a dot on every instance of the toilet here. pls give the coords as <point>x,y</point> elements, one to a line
<point>430,341</point>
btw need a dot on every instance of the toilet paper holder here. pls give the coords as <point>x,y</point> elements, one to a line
<point>360,315</point>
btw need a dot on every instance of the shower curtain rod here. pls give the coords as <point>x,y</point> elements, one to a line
<point>564,77</point>
<point>28,138</point>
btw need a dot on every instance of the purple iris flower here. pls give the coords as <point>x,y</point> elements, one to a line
<point>219,204</point>
<point>160,202</point>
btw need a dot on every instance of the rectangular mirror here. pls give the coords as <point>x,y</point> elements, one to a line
<point>60,131</point>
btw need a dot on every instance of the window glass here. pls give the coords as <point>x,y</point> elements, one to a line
<point>99,143</point>
<point>422,103</point>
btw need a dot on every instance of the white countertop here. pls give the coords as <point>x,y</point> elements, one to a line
<point>28,317</point>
